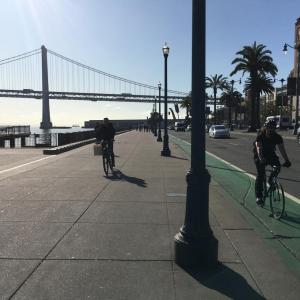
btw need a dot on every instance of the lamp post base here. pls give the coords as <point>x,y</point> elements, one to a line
<point>199,254</point>
<point>165,152</point>
<point>195,245</point>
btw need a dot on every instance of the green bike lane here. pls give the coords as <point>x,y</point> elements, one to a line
<point>282,235</point>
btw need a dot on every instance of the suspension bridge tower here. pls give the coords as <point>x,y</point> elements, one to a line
<point>46,122</point>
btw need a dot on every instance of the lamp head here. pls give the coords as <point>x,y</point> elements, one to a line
<point>166,49</point>
<point>159,85</point>
<point>284,48</point>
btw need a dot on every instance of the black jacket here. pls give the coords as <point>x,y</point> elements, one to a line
<point>105,132</point>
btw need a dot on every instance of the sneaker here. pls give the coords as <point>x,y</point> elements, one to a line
<point>260,201</point>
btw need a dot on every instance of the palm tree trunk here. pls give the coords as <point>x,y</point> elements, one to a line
<point>235,114</point>
<point>258,109</point>
<point>252,121</point>
<point>229,117</point>
<point>215,107</point>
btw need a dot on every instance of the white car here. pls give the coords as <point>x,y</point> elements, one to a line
<point>219,131</point>
<point>179,126</point>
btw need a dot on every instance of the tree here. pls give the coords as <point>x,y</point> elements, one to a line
<point>230,98</point>
<point>153,120</point>
<point>187,103</point>
<point>216,82</point>
<point>264,84</point>
<point>256,61</point>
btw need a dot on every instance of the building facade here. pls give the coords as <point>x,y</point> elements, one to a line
<point>296,62</point>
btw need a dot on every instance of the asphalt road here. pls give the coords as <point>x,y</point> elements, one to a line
<point>238,151</point>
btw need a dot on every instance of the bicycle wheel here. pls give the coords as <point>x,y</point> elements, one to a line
<point>277,200</point>
<point>110,163</point>
<point>265,191</point>
<point>105,163</point>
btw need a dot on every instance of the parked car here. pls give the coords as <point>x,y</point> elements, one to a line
<point>298,135</point>
<point>219,131</point>
<point>171,127</point>
<point>179,126</point>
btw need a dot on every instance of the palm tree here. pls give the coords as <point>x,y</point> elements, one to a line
<point>264,84</point>
<point>255,60</point>
<point>230,98</point>
<point>216,82</point>
<point>187,103</point>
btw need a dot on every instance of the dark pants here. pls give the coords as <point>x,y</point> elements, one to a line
<point>274,161</point>
<point>111,147</point>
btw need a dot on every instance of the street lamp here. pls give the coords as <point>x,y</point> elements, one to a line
<point>232,84</point>
<point>166,150</point>
<point>195,244</point>
<point>155,124</point>
<point>159,139</point>
<point>296,47</point>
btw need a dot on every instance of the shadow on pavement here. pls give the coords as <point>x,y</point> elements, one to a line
<point>227,282</point>
<point>177,157</point>
<point>119,176</point>
<point>291,217</point>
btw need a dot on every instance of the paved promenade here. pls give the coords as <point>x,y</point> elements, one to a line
<point>67,232</point>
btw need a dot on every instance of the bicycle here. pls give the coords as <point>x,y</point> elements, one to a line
<point>275,193</point>
<point>107,158</point>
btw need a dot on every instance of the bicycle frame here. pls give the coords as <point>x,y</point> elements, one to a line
<point>275,172</point>
<point>275,193</point>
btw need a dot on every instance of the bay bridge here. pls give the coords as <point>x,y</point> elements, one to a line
<point>45,74</point>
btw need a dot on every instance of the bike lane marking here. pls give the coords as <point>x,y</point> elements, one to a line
<point>26,164</point>
<point>238,185</point>
<point>291,197</point>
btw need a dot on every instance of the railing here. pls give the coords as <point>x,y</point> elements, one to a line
<point>44,139</point>
<point>14,130</point>
<point>72,137</point>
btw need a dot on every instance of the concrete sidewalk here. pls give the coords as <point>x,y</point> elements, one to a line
<point>67,232</point>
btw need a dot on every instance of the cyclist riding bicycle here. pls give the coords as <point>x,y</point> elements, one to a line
<point>265,154</point>
<point>106,133</point>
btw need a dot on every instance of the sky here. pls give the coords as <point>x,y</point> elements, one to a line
<point>125,38</point>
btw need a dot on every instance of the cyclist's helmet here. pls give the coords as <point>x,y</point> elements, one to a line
<point>270,124</point>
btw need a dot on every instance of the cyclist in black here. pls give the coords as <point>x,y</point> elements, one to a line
<point>106,132</point>
<point>265,154</point>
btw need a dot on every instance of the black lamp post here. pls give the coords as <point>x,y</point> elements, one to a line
<point>195,244</point>
<point>159,139</point>
<point>232,84</point>
<point>296,47</point>
<point>155,123</point>
<point>166,150</point>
